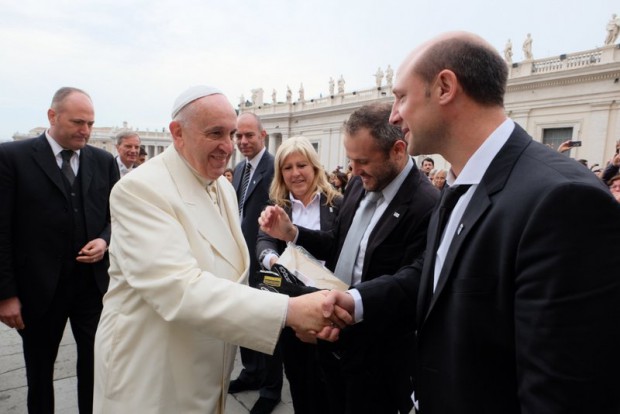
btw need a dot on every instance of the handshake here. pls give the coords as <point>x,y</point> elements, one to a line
<point>312,313</point>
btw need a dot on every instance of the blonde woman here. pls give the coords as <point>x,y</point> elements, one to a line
<point>300,186</point>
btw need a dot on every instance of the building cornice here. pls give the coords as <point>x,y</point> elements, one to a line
<point>535,82</point>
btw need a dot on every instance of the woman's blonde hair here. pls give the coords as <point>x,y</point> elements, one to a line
<point>278,193</point>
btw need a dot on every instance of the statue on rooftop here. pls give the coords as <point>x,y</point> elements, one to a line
<point>341,85</point>
<point>508,52</point>
<point>379,77</point>
<point>527,48</point>
<point>257,97</point>
<point>613,28</point>
<point>289,94</point>
<point>389,75</point>
<point>302,98</point>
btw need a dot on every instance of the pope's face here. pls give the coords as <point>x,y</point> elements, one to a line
<point>205,137</point>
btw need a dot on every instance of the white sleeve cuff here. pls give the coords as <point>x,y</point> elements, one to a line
<point>267,260</point>
<point>359,306</point>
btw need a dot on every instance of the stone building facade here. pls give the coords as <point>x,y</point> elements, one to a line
<point>154,142</point>
<point>572,96</point>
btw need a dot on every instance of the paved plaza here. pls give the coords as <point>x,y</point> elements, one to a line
<point>13,379</point>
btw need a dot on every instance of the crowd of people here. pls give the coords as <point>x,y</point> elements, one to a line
<point>464,291</point>
<point>610,175</point>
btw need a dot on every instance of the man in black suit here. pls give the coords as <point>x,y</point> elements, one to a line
<point>252,178</point>
<point>513,312</point>
<point>367,372</point>
<point>54,234</point>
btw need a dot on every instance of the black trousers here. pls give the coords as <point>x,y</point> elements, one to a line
<point>78,300</point>
<point>263,370</point>
<point>301,366</point>
<point>359,381</point>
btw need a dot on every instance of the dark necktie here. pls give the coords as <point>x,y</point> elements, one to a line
<point>245,181</point>
<point>449,197</point>
<point>350,248</point>
<point>66,165</point>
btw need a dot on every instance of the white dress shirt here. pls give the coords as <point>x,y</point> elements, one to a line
<point>122,168</point>
<point>388,194</point>
<point>57,149</point>
<point>472,173</point>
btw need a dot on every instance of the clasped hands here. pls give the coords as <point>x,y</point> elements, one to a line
<point>320,314</point>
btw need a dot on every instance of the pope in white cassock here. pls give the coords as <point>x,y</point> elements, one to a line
<point>178,303</point>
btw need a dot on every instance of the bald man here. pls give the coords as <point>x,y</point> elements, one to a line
<point>511,311</point>
<point>54,234</point>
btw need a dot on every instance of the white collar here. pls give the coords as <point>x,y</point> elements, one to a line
<point>479,162</point>
<point>56,147</point>
<point>254,161</point>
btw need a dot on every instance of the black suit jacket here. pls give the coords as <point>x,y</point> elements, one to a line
<point>398,237</point>
<point>374,361</point>
<point>35,218</point>
<point>257,197</point>
<point>525,315</point>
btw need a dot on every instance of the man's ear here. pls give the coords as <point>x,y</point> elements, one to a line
<point>176,131</point>
<point>447,85</point>
<point>51,116</point>
<point>400,149</point>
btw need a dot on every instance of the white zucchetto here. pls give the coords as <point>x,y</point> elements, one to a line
<point>191,94</point>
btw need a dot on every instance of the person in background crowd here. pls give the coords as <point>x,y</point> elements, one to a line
<point>251,180</point>
<point>229,173</point>
<point>427,165</point>
<point>128,148</point>
<point>613,166</point>
<point>614,187</point>
<point>300,187</point>
<point>54,235</point>
<point>597,170</point>
<point>431,174</point>
<point>142,156</point>
<point>339,181</point>
<point>439,180</point>
<point>349,173</point>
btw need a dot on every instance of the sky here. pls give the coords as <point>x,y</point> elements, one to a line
<point>135,56</point>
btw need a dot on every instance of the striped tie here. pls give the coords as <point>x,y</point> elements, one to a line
<point>245,181</point>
